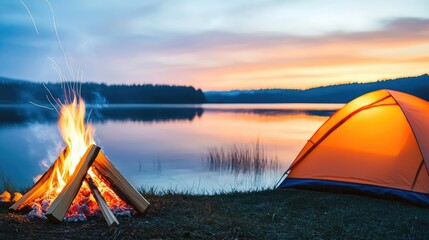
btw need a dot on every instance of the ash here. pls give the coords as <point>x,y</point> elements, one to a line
<point>79,217</point>
<point>39,208</point>
<point>82,210</point>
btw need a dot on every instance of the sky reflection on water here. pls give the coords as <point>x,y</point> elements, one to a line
<point>164,147</point>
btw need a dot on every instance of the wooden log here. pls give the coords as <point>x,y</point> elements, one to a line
<point>40,187</point>
<point>105,210</point>
<point>62,202</point>
<point>119,184</point>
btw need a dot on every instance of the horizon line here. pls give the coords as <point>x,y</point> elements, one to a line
<point>230,90</point>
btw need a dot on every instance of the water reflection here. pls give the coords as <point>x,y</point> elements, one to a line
<point>167,153</point>
<point>19,114</point>
<point>11,115</point>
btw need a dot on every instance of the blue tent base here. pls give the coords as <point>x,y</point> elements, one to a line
<point>371,190</point>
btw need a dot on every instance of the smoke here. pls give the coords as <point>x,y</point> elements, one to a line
<point>94,113</point>
<point>93,110</point>
<point>99,100</point>
<point>42,126</point>
<point>48,136</point>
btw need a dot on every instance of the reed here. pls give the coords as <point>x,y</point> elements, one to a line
<point>247,158</point>
<point>6,183</point>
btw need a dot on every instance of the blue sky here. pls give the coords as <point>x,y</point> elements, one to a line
<point>216,45</point>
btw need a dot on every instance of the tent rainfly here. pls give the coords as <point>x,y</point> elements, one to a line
<point>377,144</point>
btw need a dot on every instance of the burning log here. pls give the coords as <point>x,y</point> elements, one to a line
<point>102,168</point>
<point>59,193</point>
<point>107,213</point>
<point>39,188</point>
<point>119,184</point>
<point>62,202</point>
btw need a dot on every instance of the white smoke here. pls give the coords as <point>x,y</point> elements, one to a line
<point>48,136</point>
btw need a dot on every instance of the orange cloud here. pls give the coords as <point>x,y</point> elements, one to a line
<point>220,61</point>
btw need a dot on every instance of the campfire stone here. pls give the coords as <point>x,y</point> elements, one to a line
<point>5,196</point>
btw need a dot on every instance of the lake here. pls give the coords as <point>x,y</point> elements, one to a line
<point>166,146</point>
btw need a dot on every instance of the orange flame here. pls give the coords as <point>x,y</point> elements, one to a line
<point>78,136</point>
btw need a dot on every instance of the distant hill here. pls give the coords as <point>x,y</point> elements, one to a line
<point>19,91</point>
<point>342,93</point>
<point>4,80</point>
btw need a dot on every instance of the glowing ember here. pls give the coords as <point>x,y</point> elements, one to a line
<point>78,136</point>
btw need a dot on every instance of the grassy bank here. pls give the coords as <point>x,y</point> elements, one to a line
<point>279,214</point>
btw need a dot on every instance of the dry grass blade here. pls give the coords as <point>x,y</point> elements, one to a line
<point>241,159</point>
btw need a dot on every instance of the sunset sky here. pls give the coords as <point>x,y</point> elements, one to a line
<point>216,45</point>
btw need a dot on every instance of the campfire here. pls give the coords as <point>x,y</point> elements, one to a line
<point>82,181</point>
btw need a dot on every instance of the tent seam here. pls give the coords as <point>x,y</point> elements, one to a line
<point>417,174</point>
<point>345,119</point>
<point>414,133</point>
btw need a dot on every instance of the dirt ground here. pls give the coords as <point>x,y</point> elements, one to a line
<point>278,214</point>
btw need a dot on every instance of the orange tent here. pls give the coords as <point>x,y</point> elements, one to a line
<point>376,144</point>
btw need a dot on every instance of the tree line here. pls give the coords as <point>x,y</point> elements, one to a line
<point>12,92</point>
<point>341,93</point>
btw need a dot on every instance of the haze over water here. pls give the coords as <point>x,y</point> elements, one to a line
<point>165,146</point>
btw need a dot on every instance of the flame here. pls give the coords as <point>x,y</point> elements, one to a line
<point>78,136</point>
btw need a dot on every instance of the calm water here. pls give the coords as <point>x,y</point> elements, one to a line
<point>164,146</point>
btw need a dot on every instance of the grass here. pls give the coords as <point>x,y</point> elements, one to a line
<point>251,158</point>
<point>6,184</point>
<point>269,214</point>
<point>263,214</point>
